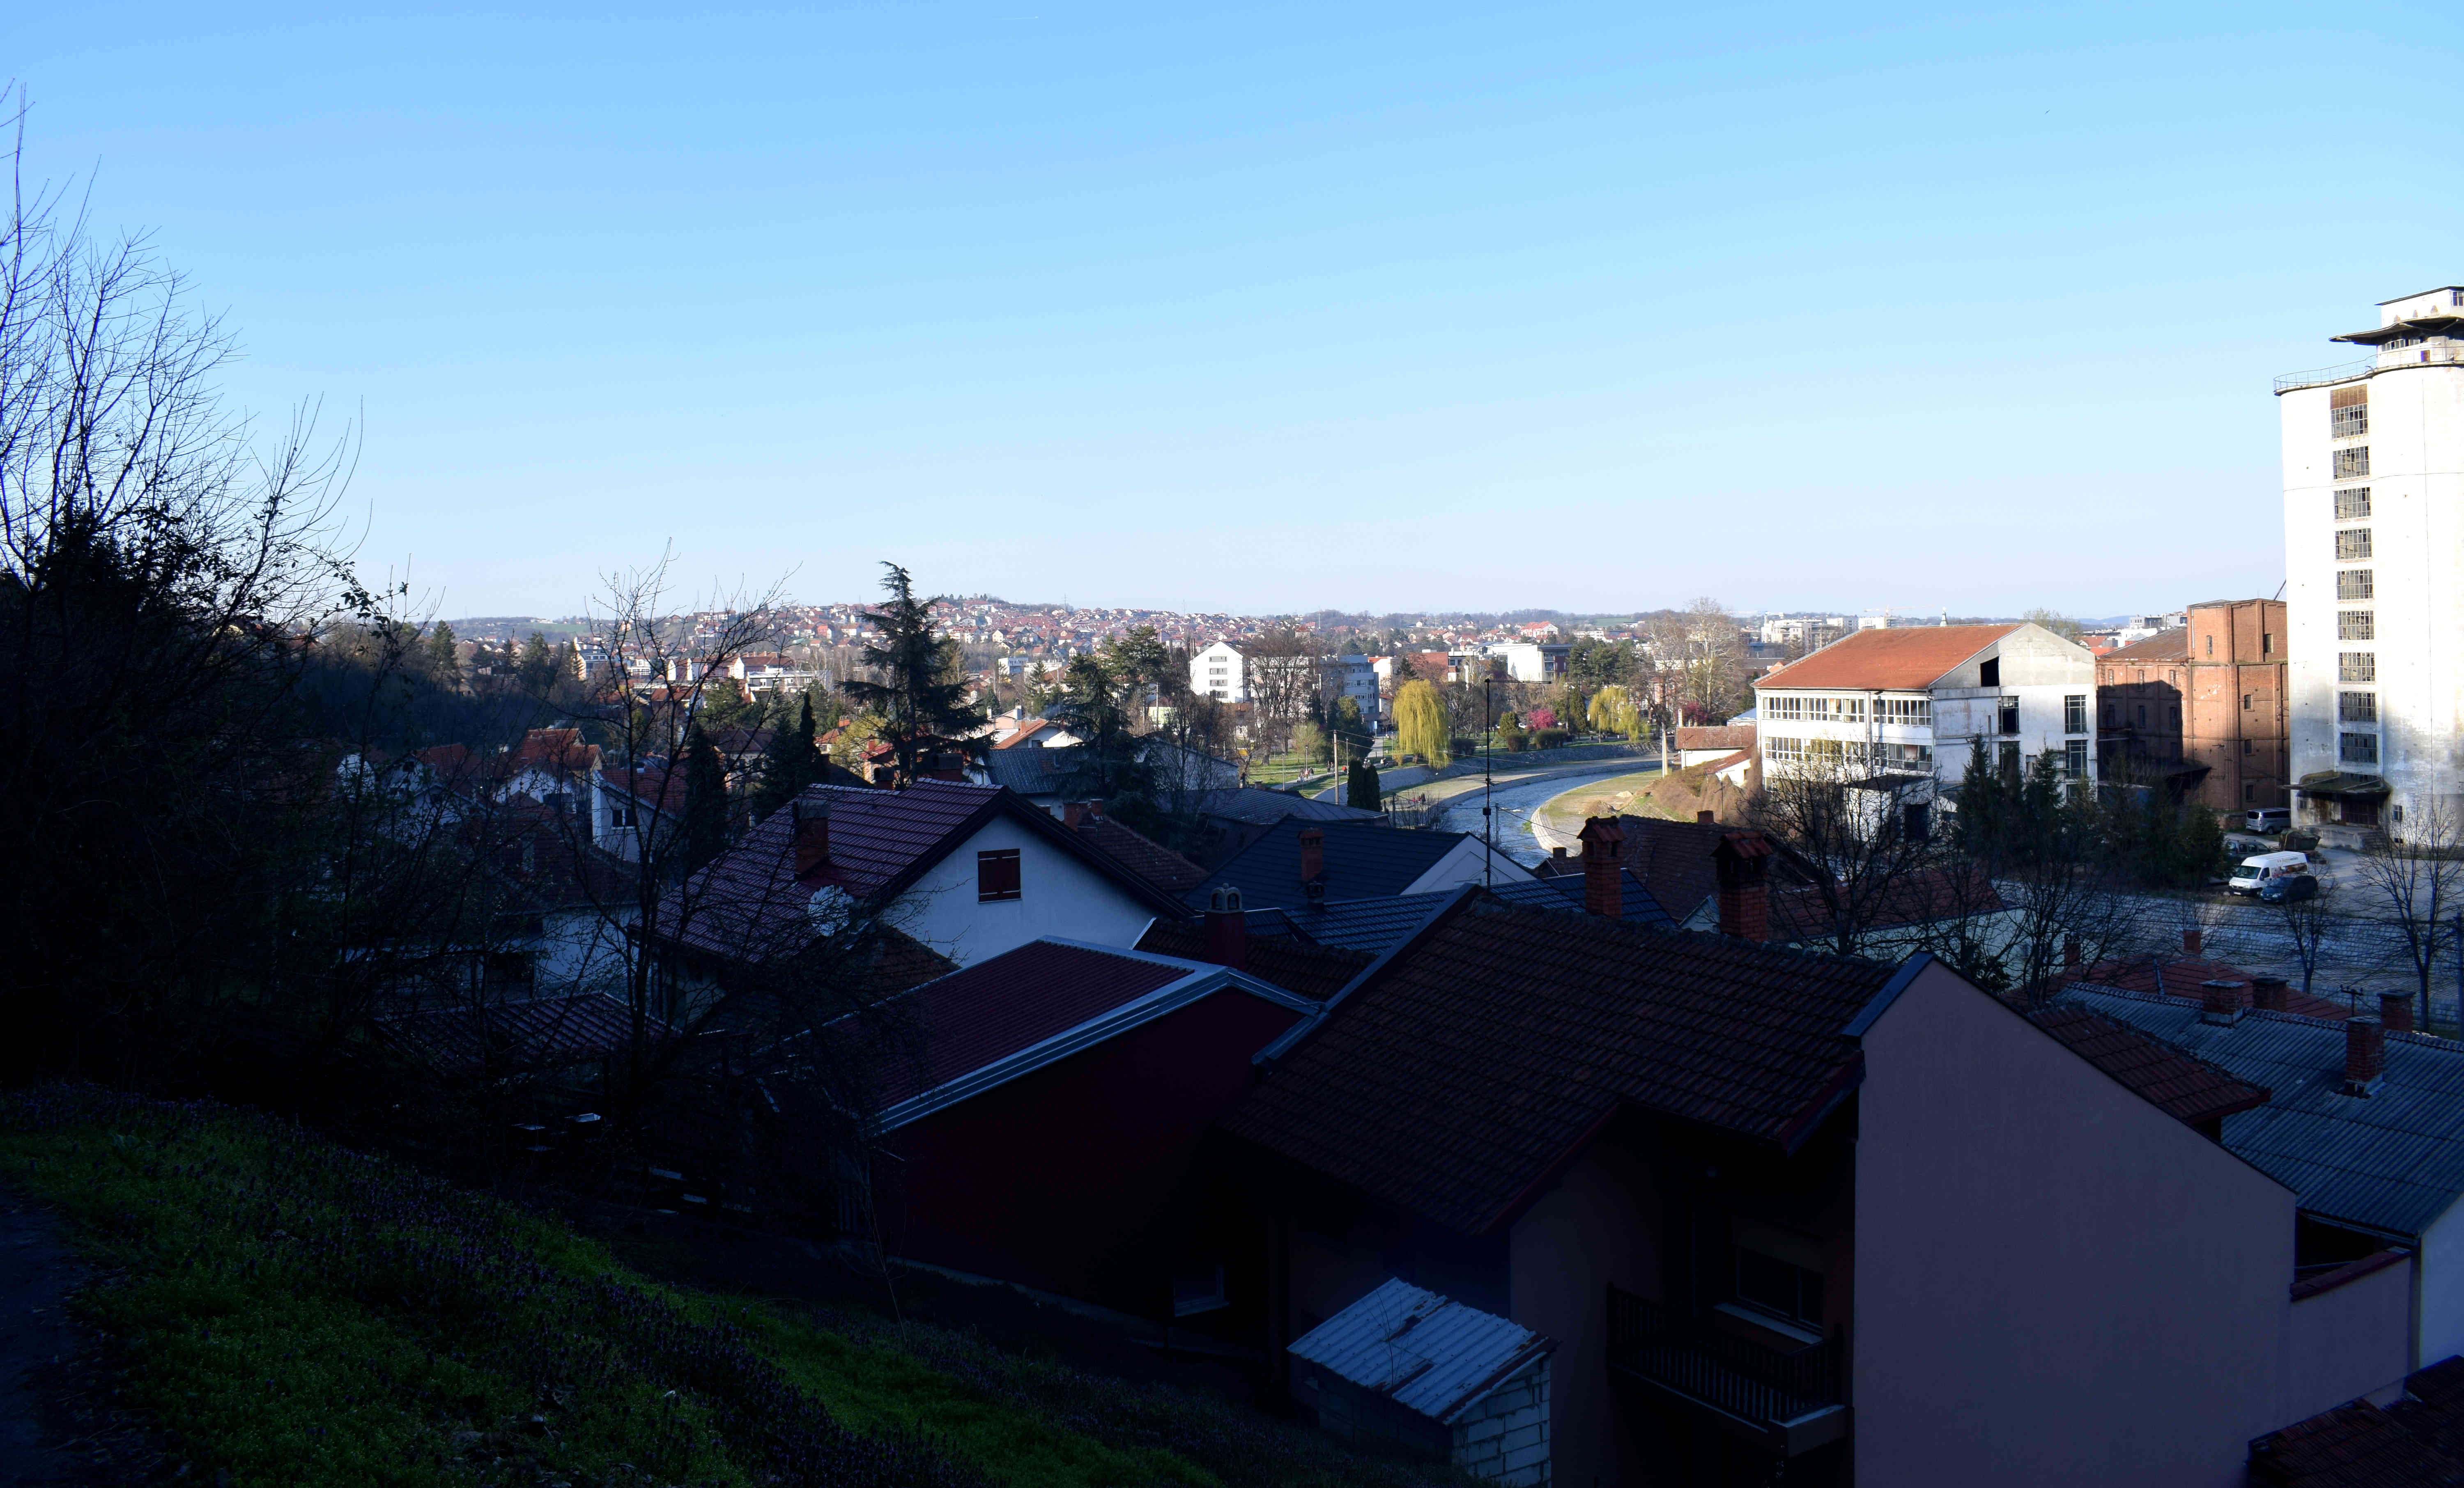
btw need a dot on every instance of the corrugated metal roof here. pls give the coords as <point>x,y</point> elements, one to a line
<point>2390,1161</point>
<point>1427,1353</point>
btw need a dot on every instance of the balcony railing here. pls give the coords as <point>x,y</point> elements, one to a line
<point>2317,375</point>
<point>1792,1397</point>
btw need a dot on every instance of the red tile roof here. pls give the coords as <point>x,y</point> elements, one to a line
<point>1167,870</point>
<point>2417,1442</point>
<point>2180,976</point>
<point>1799,914</point>
<point>1909,657</point>
<point>1315,972</point>
<point>2186,1087</point>
<point>1726,737</point>
<point>1454,1079</point>
<point>1013,1002</point>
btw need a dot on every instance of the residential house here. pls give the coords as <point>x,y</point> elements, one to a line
<point>1907,702</point>
<point>1711,744</point>
<point>2365,1125</point>
<point>969,870</point>
<point>1866,1222</point>
<point>1298,862</point>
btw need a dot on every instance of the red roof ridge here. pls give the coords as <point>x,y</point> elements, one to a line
<point>1909,657</point>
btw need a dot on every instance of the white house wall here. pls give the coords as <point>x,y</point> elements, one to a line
<point>1464,865</point>
<point>2056,1283</point>
<point>2353,1340</point>
<point>2441,1264</point>
<point>1057,895</point>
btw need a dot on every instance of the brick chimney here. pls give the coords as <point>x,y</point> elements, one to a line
<point>2365,1055</point>
<point>1312,856</point>
<point>1742,861</point>
<point>2223,1001</point>
<point>2269,993</point>
<point>1707,818</point>
<point>1603,855</point>
<point>2395,1011</point>
<point>812,833</point>
<point>2069,954</point>
<point>2191,939</point>
<point>1228,930</point>
<point>1074,813</point>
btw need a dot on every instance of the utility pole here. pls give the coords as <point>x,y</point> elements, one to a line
<point>1487,782</point>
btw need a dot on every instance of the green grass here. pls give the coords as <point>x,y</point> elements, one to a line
<point>1566,810</point>
<point>291,1312</point>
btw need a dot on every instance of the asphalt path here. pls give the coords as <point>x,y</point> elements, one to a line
<point>1515,798</point>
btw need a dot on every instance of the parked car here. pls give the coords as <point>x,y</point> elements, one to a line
<point>2270,818</point>
<point>2289,886</point>
<point>2260,869</point>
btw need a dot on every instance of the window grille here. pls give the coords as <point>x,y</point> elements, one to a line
<point>2357,708</point>
<point>2357,625</point>
<point>2353,543</point>
<point>2349,423</point>
<point>2357,667</point>
<point>2358,748</point>
<point>2353,463</point>
<point>2352,503</point>
<point>2353,583</point>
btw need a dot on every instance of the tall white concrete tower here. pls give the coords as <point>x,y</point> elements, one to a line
<point>2374,573</point>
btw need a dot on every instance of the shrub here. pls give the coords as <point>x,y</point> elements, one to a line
<point>1549,738</point>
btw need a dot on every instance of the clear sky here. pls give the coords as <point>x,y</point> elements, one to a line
<point>1594,307</point>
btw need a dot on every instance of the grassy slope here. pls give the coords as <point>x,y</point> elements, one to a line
<point>1566,810</point>
<point>296,1313</point>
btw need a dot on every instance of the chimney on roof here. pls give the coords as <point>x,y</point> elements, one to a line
<point>2069,954</point>
<point>1707,818</point>
<point>1603,848</point>
<point>812,832</point>
<point>2395,1011</point>
<point>1557,854</point>
<point>2191,939</point>
<point>1228,930</point>
<point>2267,994</point>
<point>1312,857</point>
<point>1741,860</point>
<point>2365,1055</point>
<point>1074,813</point>
<point>2223,1001</point>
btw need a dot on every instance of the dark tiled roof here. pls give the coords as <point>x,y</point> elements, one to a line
<point>1317,971</point>
<point>1258,806</point>
<point>1565,892</point>
<point>1364,860</point>
<point>534,1033</point>
<point>1798,913</point>
<point>2189,1090</point>
<point>2179,977</point>
<point>1015,1001</point>
<point>1029,772</point>
<point>1673,859</point>
<point>1376,926</point>
<point>2391,1161</point>
<point>2414,1443</point>
<point>1455,1077</point>
<point>1167,870</point>
<point>2165,646</point>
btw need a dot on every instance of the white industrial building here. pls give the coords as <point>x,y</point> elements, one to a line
<point>2373,555</point>
<point>1908,702</point>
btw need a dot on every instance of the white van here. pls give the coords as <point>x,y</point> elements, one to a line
<point>2255,870</point>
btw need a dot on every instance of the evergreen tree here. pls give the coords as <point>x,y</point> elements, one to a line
<point>705,802</point>
<point>440,652</point>
<point>922,696</point>
<point>1360,791</point>
<point>790,762</point>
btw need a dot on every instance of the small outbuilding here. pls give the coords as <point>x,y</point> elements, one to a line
<point>1408,1371</point>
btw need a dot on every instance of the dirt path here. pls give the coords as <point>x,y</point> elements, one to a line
<point>36,1275</point>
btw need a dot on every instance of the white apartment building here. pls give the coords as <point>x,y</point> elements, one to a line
<point>1908,701</point>
<point>1218,672</point>
<point>2374,572</point>
<point>1520,661</point>
<point>1355,677</point>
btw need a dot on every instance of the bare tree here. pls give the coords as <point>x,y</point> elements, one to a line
<point>2418,887</point>
<point>1852,833</point>
<point>1284,671</point>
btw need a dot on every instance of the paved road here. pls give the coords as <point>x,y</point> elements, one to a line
<point>1516,797</point>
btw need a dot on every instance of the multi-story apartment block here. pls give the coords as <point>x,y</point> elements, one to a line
<point>1911,702</point>
<point>1218,672</point>
<point>2201,707</point>
<point>2373,555</point>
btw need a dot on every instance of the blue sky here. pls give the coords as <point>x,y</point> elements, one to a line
<point>1383,307</point>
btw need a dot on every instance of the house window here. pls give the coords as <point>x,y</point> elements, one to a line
<point>2267,643</point>
<point>2177,717</point>
<point>2357,749</point>
<point>1988,674</point>
<point>2356,626</point>
<point>2352,543</point>
<point>2075,759</point>
<point>2249,793</point>
<point>2353,583</point>
<point>2245,702</point>
<point>2357,708</point>
<point>2357,667</point>
<point>996,875</point>
<point>2353,503</point>
<point>1769,1284</point>
<point>2143,715</point>
<point>2349,416</point>
<point>2353,463</point>
<point>2010,760</point>
<point>2075,713</point>
<point>2010,711</point>
<point>2212,646</point>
